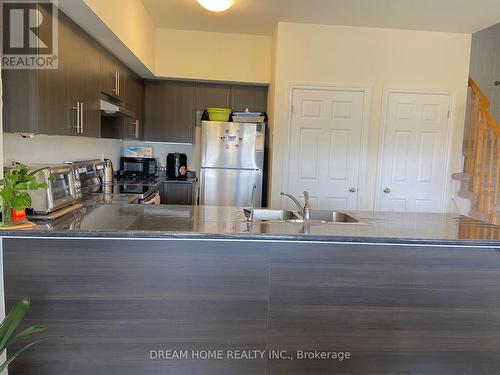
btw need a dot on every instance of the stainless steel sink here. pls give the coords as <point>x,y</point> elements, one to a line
<point>327,217</point>
<point>317,217</point>
<point>333,217</point>
<point>265,214</point>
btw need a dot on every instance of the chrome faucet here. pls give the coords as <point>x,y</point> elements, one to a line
<point>304,211</point>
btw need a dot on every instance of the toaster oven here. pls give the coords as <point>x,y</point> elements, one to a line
<point>60,191</point>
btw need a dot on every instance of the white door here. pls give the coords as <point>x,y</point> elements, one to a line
<point>414,153</point>
<point>325,147</point>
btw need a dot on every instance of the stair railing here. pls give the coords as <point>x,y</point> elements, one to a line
<point>482,152</point>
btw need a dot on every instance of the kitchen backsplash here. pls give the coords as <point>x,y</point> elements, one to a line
<point>57,149</point>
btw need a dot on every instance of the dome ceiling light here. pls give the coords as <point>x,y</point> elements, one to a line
<point>216,5</point>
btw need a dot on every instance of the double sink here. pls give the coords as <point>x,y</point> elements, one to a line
<point>316,217</point>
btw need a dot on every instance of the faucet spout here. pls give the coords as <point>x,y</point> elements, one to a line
<point>304,211</point>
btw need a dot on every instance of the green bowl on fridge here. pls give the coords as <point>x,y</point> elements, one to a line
<point>219,114</point>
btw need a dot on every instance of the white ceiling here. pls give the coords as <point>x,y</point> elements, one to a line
<point>261,16</point>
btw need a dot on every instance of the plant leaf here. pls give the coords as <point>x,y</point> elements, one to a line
<point>32,185</point>
<point>28,331</point>
<point>7,194</point>
<point>12,357</point>
<point>21,201</point>
<point>12,320</point>
<point>13,178</point>
<point>21,186</point>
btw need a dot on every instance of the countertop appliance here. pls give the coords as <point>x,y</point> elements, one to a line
<point>176,165</point>
<point>232,161</point>
<point>145,192</point>
<point>141,168</point>
<point>94,178</point>
<point>88,173</point>
<point>60,192</point>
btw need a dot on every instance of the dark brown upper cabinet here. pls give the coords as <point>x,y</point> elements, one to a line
<point>112,76</point>
<point>170,111</point>
<point>252,97</point>
<point>212,96</point>
<point>63,101</point>
<point>83,82</point>
<point>134,102</point>
<point>238,98</point>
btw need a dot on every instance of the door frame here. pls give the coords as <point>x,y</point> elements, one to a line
<point>366,89</point>
<point>447,183</point>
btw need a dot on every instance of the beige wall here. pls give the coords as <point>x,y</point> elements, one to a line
<point>213,56</point>
<point>381,58</point>
<point>130,22</point>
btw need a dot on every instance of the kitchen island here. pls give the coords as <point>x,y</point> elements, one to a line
<point>134,289</point>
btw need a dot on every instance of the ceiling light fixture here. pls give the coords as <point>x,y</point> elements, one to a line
<point>216,5</point>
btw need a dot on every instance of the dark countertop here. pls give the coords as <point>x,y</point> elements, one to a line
<point>123,220</point>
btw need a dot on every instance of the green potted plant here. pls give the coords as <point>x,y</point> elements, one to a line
<point>9,325</point>
<point>14,193</point>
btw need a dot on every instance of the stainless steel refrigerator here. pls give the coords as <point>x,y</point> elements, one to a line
<point>232,161</point>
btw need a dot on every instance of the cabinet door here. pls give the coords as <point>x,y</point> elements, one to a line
<point>82,80</point>
<point>20,112</point>
<point>125,75</point>
<point>210,96</point>
<point>133,101</point>
<point>89,95</point>
<point>170,111</point>
<point>54,115</point>
<point>133,98</point>
<point>252,97</point>
<point>108,74</point>
<point>131,128</point>
<point>177,193</point>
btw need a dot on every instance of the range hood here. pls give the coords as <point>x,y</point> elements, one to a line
<point>114,110</point>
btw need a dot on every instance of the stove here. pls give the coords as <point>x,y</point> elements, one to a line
<point>142,189</point>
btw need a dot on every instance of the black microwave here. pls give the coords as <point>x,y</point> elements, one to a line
<point>142,168</point>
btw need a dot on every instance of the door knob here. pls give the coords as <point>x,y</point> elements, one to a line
<point>353,190</point>
<point>387,190</point>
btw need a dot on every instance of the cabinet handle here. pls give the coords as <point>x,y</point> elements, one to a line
<point>353,190</point>
<point>136,129</point>
<point>77,108</point>
<point>118,82</point>
<point>387,191</point>
<point>115,86</point>
<point>81,118</point>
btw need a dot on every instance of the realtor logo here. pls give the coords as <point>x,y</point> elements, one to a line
<point>29,37</point>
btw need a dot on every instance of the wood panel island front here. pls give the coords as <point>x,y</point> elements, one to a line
<point>205,293</point>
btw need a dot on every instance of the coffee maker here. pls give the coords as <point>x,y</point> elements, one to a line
<point>177,165</point>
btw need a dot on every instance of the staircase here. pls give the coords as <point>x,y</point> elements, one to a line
<point>479,182</point>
